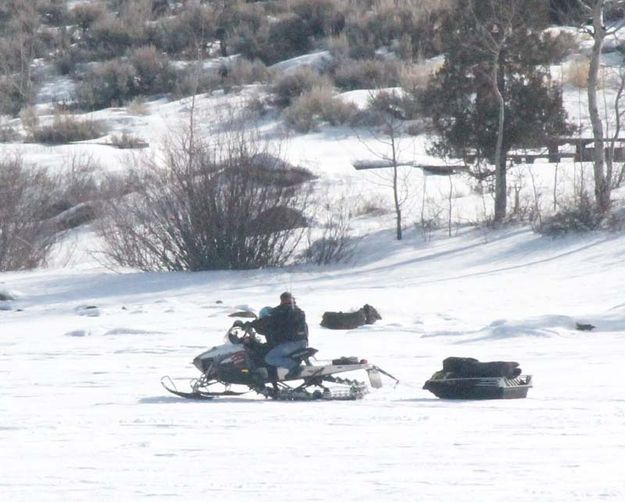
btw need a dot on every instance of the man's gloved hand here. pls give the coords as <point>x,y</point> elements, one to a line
<point>247,325</point>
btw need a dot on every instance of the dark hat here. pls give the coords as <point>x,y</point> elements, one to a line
<point>286,297</point>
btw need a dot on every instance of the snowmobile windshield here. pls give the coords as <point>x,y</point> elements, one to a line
<point>234,336</point>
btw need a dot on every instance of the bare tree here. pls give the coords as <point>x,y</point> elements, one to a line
<point>388,135</point>
<point>615,177</point>
<point>494,21</point>
<point>598,32</point>
<point>590,16</point>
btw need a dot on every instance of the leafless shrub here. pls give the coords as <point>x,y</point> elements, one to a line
<point>8,134</point>
<point>145,72</point>
<point>416,76</point>
<point>257,106</point>
<point>52,12</point>
<point>413,79</point>
<point>77,185</point>
<point>410,27</point>
<point>184,33</point>
<point>559,45</point>
<point>25,237</point>
<point>127,140</point>
<point>244,71</point>
<point>84,15</point>
<point>400,105</point>
<point>338,45</point>
<point>137,106</point>
<point>14,94</point>
<point>576,73</point>
<point>336,244</point>
<point>269,169</point>
<point>317,106</point>
<point>114,186</point>
<point>108,84</point>
<point>200,209</point>
<point>75,216</point>
<point>65,129</point>
<point>366,74</point>
<point>49,40</point>
<point>81,179</point>
<point>111,35</point>
<point>30,119</point>
<point>287,37</point>
<point>322,17</point>
<point>428,225</point>
<point>19,26</point>
<point>289,86</point>
<point>154,73</point>
<point>67,61</point>
<point>80,189</point>
<point>615,220</point>
<point>580,215</point>
<point>369,207</point>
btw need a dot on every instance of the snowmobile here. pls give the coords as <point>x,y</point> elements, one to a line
<point>240,361</point>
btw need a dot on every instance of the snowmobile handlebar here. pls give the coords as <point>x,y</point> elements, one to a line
<point>247,330</point>
<point>243,326</point>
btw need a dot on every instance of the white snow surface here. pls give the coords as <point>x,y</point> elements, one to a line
<point>83,348</point>
<point>82,415</point>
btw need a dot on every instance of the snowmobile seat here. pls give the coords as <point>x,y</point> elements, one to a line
<point>303,354</point>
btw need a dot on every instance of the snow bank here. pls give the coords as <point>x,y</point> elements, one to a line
<point>316,60</point>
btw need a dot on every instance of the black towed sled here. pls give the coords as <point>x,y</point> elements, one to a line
<point>240,361</point>
<point>467,378</point>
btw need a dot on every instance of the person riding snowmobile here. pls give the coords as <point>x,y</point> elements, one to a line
<point>286,332</point>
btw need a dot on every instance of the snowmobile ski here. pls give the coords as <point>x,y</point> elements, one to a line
<point>197,394</point>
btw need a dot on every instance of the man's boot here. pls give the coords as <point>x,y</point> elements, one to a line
<point>294,372</point>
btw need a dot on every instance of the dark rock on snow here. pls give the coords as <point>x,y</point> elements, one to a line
<point>584,327</point>
<point>350,320</point>
<point>5,296</point>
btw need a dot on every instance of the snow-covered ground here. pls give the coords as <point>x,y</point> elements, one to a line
<point>83,348</point>
<point>82,414</point>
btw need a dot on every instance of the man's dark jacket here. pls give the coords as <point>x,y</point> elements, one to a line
<point>287,323</point>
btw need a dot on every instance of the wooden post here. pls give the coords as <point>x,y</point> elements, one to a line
<point>554,152</point>
<point>579,151</point>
